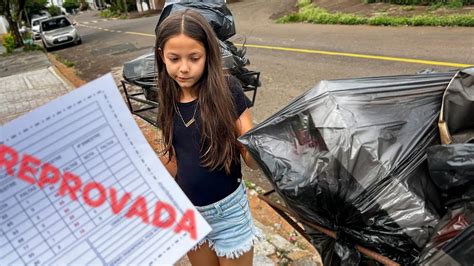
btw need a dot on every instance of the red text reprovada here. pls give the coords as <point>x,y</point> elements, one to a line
<point>69,184</point>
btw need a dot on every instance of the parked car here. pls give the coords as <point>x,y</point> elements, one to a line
<point>58,31</point>
<point>35,25</point>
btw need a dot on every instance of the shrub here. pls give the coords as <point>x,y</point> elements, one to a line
<point>302,3</point>
<point>313,14</point>
<point>455,4</point>
<point>107,13</point>
<point>84,6</point>
<point>29,45</point>
<point>387,21</point>
<point>65,61</point>
<point>54,10</point>
<point>449,3</point>
<point>71,5</point>
<point>8,42</point>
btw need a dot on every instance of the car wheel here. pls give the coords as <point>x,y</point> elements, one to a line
<point>46,47</point>
<point>79,41</point>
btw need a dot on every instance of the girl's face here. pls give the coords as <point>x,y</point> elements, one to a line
<point>185,60</point>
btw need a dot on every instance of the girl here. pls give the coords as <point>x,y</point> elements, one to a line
<point>202,113</point>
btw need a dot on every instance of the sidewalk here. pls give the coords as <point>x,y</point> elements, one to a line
<point>29,80</point>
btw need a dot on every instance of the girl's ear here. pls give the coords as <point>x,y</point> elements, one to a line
<point>160,52</point>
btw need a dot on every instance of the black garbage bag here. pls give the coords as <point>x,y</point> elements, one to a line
<point>349,155</point>
<point>453,243</point>
<point>456,121</point>
<point>333,252</point>
<point>215,12</point>
<point>451,165</point>
<point>141,71</point>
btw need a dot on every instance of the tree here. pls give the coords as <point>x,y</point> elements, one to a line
<point>11,10</point>
<point>71,5</point>
<point>125,7</point>
<point>83,5</point>
<point>34,7</point>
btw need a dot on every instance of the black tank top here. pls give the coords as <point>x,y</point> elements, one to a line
<point>201,185</point>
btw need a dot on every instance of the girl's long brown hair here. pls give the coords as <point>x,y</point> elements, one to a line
<point>219,146</point>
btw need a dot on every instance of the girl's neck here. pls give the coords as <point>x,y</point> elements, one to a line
<point>188,95</point>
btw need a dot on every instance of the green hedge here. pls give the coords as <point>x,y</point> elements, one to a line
<point>70,5</point>
<point>313,14</point>
<point>8,42</point>
<point>54,10</point>
<point>424,2</point>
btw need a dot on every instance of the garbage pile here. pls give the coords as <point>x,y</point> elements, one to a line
<point>142,71</point>
<point>350,155</point>
<point>451,167</point>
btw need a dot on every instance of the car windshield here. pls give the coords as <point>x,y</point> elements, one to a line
<point>53,24</point>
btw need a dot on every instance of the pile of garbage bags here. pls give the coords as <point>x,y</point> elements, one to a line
<point>142,70</point>
<point>451,167</point>
<point>351,155</point>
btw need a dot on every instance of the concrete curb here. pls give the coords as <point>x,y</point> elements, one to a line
<point>67,74</point>
<point>59,75</point>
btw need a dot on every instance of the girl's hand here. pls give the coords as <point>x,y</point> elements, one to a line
<point>244,124</point>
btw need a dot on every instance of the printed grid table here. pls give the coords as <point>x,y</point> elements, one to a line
<point>39,226</point>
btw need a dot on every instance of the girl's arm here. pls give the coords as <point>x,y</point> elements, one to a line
<point>244,124</point>
<point>171,165</point>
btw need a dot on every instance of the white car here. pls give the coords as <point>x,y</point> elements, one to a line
<point>58,31</point>
<point>35,26</point>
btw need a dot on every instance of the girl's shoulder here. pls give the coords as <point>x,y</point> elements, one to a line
<point>241,101</point>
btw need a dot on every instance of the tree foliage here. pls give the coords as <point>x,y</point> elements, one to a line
<point>11,10</point>
<point>83,5</point>
<point>122,6</point>
<point>33,7</point>
<point>16,11</point>
<point>8,42</point>
<point>54,10</point>
<point>71,5</point>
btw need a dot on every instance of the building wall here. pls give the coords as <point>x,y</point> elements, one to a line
<point>96,4</point>
<point>150,4</point>
<point>3,25</point>
<point>141,4</point>
<point>56,2</point>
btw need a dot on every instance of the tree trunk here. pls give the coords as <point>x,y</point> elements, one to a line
<point>25,15</point>
<point>125,7</point>
<point>14,29</point>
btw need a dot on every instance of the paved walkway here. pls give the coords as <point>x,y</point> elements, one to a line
<point>27,80</point>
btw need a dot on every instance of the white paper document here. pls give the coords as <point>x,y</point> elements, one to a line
<point>79,184</point>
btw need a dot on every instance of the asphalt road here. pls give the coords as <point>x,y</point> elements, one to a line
<point>325,51</point>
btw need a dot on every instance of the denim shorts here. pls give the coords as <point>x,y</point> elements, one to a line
<point>233,231</point>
